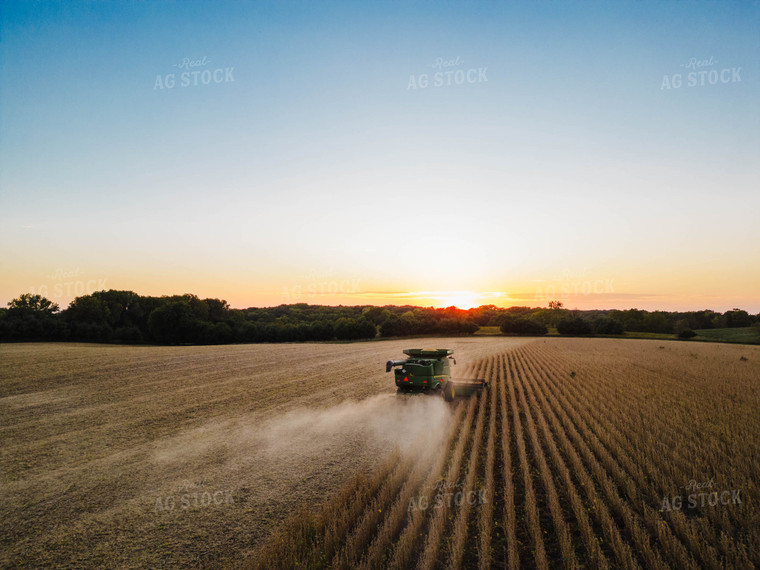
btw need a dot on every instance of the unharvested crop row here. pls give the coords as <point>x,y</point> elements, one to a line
<point>392,523</point>
<point>681,457</point>
<point>620,550</point>
<point>626,472</point>
<point>511,556</point>
<point>672,436</point>
<point>696,537</point>
<point>485,518</point>
<point>587,478</point>
<point>375,512</point>
<point>594,554</point>
<point>457,543</point>
<point>306,538</point>
<point>714,529</point>
<point>531,508</point>
<point>561,529</point>
<point>440,516</point>
<point>574,418</point>
<point>405,548</point>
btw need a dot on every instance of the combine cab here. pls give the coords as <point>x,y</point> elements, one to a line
<point>429,369</point>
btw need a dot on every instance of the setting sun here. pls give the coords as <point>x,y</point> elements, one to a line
<point>460,299</point>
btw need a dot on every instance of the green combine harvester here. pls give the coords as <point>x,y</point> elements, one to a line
<point>428,369</point>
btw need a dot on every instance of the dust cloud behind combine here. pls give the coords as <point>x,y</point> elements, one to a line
<point>307,450</point>
<point>377,423</point>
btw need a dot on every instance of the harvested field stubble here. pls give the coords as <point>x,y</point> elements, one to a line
<point>140,456</point>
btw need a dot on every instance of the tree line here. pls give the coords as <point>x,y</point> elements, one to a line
<point>535,321</point>
<point>126,317</point>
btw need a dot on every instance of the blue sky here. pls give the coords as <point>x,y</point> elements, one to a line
<point>565,163</point>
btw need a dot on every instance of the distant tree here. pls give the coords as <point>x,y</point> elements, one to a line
<point>219,333</point>
<point>606,325</point>
<point>483,315</point>
<point>522,326</point>
<point>173,323</point>
<point>354,329</point>
<point>289,333</point>
<point>574,326</point>
<point>719,322</point>
<point>550,316</point>
<point>702,319</point>
<point>217,310</point>
<point>128,334</point>
<point>686,333</point>
<point>88,309</point>
<point>394,326</point>
<point>198,307</point>
<point>273,332</point>
<point>544,316</point>
<point>376,315</point>
<point>29,303</point>
<point>31,317</point>
<point>657,322</point>
<point>409,323</point>
<point>303,332</point>
<point>366,329</point>
<point>322,330</point>
<point>681,325</point>
<point>5,325</point>
<point>519,311</point>
<point>455,326</point>
<point>345,328</point>
<point>737,318</point>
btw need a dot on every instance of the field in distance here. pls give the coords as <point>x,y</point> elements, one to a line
<point>178,456</point>
<point>740,335</point>
<point>596,453</point>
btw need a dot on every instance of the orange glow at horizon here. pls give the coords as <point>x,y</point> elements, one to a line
<point>582,289</point>
<point>461,300</point>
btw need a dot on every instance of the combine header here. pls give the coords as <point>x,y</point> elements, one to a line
<point>429,369</point>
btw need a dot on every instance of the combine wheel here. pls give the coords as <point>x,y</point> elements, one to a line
<point>448,392</point>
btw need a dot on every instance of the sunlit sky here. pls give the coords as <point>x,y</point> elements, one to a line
<point>565,161</point>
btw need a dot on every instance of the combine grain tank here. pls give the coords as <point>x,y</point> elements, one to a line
<point>430,369</point>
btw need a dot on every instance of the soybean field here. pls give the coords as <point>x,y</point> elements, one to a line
<point>582,453</point>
